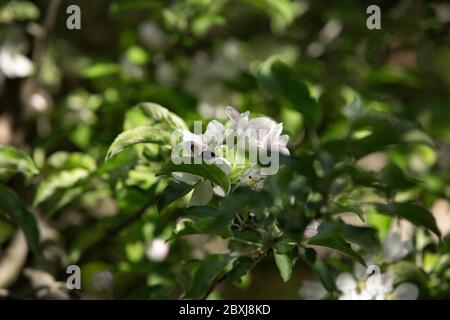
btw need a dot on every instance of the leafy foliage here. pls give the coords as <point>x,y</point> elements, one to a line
<point>87,134</point>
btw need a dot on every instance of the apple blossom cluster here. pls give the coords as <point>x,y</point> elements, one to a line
<point>377,286</point>
<point>370,283</point>
<point>248,149</point>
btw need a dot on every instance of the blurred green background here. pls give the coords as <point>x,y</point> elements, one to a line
<point>195,57</point>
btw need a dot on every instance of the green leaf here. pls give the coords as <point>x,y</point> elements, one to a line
<point>209,220</point>
<point>336,242</point>
<point>13,160</point>
<point>383,130</point>
<point>338,208</point>
<point>241,266</point>
<point>61,198</point>
<point>414,213</point>
<point>279,79</point>
<point>208,171</point>
<point>174,191</point>
<point>100,69</point>
<point>14,209</point>
<point>17,10</point>
<point>161,114</point>
<point>396,179</point>
<point>206,275</point>
<point>284,265</point>
<point>142,134</point>
<point>202,226</point>
<point>62,160</point>
<point>60,180</point>
<point>366,237</point>
<point>319,268</point>
<point>198,212</point>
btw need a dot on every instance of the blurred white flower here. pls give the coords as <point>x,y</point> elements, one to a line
<point>157,250</point>
<point>151,36</point>
<point>103,281</point>
<point>393,248</point>
<point>228,61</point>
<point>166,73</point>
<point>312,290</point>
<point>13,61</point>
<point>130,69</point>
<point>375,287</point>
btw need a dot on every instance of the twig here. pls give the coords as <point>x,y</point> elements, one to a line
<point>222,278</point>
<point>297,140</point>
<point>40,40</point>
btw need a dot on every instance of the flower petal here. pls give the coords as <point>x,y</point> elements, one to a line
<point>346,283</point>
<point>393,248</point>
<point>202,194</point>
<point>312,290</point>
<point>232,113</point>
<point>406,291</point>
<point>187,178</point>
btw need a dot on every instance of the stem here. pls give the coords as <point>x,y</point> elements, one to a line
<point>40,41</point>
<point>222,278</point>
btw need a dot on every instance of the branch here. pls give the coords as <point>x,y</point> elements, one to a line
<point>42,34</point>
<point>13,260</point>
<point>222,278</point>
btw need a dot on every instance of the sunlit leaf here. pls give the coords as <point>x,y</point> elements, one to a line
<point>13,161</point>
<point>284,265</point>
<point>161,114</point>
<point>143,134</point>
<point>60,180</point>
<point>337,243</point>
<point>18,10</point>
<point>412,212</point>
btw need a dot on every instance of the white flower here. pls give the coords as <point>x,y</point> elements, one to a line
<point>376,287</point>
<point>252,178</point>
<point>205,146</point>
<point>213,136</point>
<point>166,74</point>
<point>265,133</point>
<point>151,36</point>
<point>312,290</point>
<point>13,61</point>
<point>261,132</point>
<point>239,120</point>
<point>405,291</point>
<point>157,250</point>
<point>103,281</point>
<point>393,248</point>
